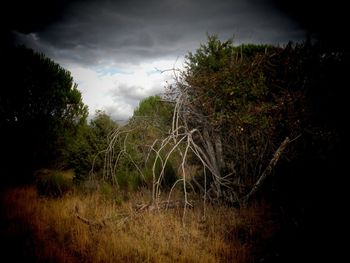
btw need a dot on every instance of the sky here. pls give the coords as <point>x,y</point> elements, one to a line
<point>116,50</point>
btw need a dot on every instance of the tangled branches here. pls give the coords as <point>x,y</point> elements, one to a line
<point>233,115</point>
<point>204,143</point>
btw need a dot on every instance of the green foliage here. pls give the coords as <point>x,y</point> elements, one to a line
<point>86,150</point>
<point>102,124</point>
<point>228,84</point>
<point>246,84</point>
<point>155,111</point>
<point>170,176</point>
<point>106,190</point>
<point>245,100</point>
<point>53,183</point>
<point>128,178</point>
<point>40,108</point>
<point>130,157</point>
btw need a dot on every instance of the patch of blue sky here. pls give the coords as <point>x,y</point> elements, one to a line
<point>103,71</point>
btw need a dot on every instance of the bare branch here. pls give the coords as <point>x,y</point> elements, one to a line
<point>267,171</point>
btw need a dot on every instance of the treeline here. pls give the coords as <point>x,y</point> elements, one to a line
<point>216,129</point>
<point>40,111</point>
<point>239,123</point>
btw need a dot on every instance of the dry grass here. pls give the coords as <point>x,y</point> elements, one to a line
<point>225,235</point>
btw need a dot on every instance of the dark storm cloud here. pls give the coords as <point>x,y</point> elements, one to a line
<point>326,21</point>
<point>93,32</point>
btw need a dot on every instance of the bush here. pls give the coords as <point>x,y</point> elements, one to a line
<point>53,183</point>
<point>170,176</point>
<point>82,152</point>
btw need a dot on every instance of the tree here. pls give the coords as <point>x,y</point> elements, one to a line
<point>156,109</point>
<point>40,108</point>
<point>129,155</point>
<point>86,150</point>
<point>153,118</point>
<point>236,109</point>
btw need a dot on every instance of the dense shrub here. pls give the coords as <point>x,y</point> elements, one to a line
<point>85,150</point>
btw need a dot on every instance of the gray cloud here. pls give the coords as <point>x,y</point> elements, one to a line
<point>93,32</point>
<point>117,112</point>
<point>133,93</point>
<point>128,91</point>
<point>91,36</point>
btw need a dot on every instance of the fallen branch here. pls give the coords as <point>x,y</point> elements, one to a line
<point>138,208</point>
<point>97,225</point>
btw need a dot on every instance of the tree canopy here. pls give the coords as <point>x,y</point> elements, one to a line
<point>239,107</point>
<point>86,150</point>
<point>40,107</point>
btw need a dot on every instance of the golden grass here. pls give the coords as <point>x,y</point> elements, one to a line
<point>225,235</point>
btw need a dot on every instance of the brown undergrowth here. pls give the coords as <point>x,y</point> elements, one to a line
<point>223,235</point>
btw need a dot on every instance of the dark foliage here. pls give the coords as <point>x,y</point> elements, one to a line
<point>269,93</point>
<point>86,149</point>
<point>40,108</point>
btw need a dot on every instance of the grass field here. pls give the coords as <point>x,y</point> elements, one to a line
<point>93,227</point>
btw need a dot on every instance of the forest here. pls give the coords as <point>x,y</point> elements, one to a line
<point>241,159</point>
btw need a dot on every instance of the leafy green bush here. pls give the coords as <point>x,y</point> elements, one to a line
<point>53,183</point>
<point>128,160</point>
<point>85,150</point>
<point>169,177</point>
<point>109,193</point>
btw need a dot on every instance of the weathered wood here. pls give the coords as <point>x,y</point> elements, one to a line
<point>97,225</point>
<point>161,206</point>
<point>267,171</point>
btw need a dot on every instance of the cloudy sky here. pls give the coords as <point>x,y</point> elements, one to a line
<point>114,48</point>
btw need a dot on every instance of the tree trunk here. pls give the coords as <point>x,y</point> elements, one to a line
<point>267,171</point>
<point>212,156</point>
<point>219,153</point>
